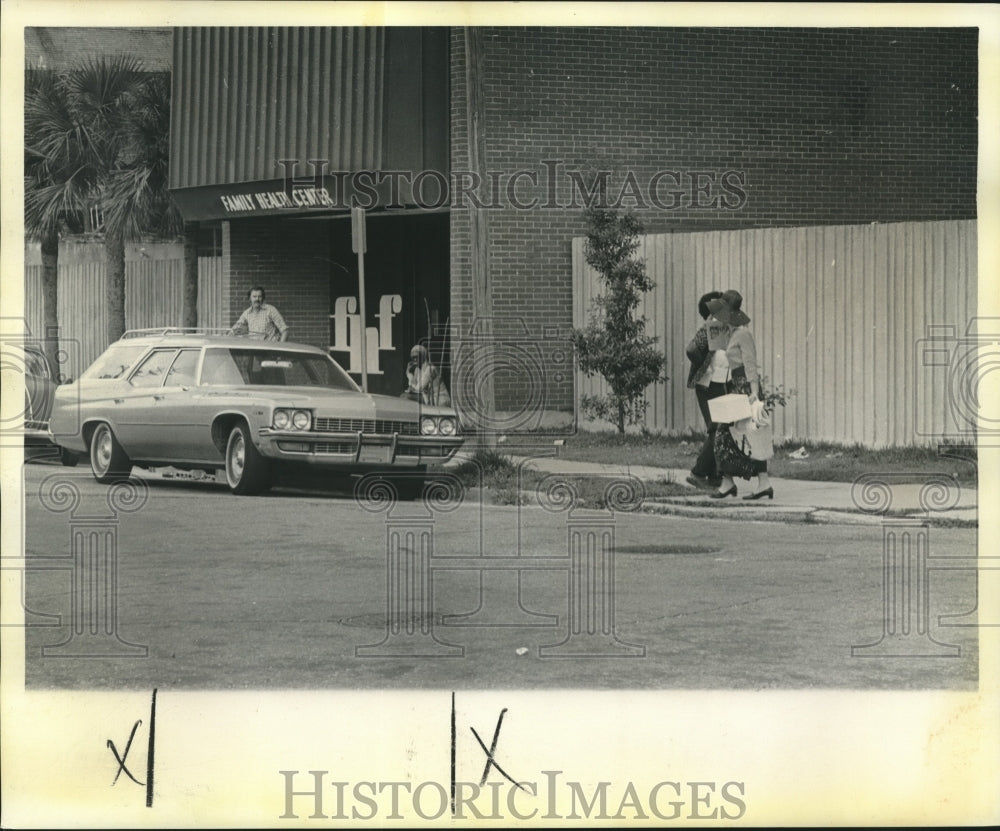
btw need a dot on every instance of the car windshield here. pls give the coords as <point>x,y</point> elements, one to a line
<point>114,362</point>
<point>273,368</point>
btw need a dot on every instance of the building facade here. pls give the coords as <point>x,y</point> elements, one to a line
<point>276,134</point>
<point>475,151</point>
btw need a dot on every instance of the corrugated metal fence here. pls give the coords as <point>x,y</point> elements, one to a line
<point>840,314</point>
<point>153,297</point>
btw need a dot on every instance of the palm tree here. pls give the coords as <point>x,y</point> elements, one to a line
<point>101,92</point>
<point>75,140</point>
<point>136,200</point>
<point>57,183</point>
<point>98,136</point>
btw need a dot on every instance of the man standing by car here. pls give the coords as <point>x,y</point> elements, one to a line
<point>261,321</point>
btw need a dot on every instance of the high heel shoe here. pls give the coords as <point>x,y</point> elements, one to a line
<point>723,495</point>
<point>768,492</point>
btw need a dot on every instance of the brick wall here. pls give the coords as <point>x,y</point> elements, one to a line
<point>289,259</point>
<point>763,128</point>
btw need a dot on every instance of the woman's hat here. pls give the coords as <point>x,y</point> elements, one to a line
<point>727,309</point>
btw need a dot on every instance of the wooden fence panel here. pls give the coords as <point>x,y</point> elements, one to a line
<point>153,297</point>
<point>840,314</point>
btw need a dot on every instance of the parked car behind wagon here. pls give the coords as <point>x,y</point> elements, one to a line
<point>29,417</point>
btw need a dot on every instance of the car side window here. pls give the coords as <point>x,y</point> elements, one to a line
<point>182,370</point>
<point>151,372</point>
<point>220,370</point>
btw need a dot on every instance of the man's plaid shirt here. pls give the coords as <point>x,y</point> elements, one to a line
<point>266,324</point>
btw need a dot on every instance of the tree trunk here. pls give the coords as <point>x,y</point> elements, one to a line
<point>190,314</point>
<point>621,418</point>
<point>114,251</point>
<point>50,296</point>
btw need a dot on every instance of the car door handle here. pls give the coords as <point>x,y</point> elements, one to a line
<point>119,401</point>
<point>158,397</point>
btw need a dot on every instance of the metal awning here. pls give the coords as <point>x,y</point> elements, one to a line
<point>310,120</point>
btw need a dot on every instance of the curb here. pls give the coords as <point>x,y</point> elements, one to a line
<point>790,514</point>
<point>691,507</point>
<point>708,510</point>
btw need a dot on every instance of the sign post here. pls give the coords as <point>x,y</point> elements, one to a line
<point>359,245</point>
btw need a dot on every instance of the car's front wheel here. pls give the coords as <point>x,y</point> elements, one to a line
<point>108,461</point>
<point>247,472</point>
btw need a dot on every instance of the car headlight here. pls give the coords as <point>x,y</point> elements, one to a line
<point>447,427</point>
<point>428,426</point>
<point>285,419</point>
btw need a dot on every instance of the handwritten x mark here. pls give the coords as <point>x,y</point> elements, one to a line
<point>490,754</point>
<point>121,759</point>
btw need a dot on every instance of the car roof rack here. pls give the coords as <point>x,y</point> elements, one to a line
<point>174,330</point>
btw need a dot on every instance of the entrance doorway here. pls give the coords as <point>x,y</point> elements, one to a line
<point>407,291</point>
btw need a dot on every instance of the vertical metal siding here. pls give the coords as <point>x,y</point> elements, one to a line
<point>838,313</point>
<point>245,98</point>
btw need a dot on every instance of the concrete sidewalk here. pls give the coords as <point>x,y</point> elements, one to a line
<point>940,500</point>
<point>795,500</point>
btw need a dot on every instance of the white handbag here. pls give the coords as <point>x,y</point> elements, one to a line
<point>725,409</point>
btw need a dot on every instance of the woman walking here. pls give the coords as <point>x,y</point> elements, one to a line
<point>707,378</point>
<point>744,378</point>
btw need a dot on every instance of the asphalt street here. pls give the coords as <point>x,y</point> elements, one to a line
<point>180,585</point>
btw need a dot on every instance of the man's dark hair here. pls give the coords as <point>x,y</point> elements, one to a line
<point>263,294</point>
<point>705,300</point>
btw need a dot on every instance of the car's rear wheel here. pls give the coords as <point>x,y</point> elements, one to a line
<point>68,457</point>
<point>108,461</point>
<point>247,472</point>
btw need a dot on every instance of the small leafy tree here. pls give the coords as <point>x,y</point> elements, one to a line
<point>614,344</point>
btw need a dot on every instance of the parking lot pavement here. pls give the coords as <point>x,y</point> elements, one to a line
<point>298,590</point>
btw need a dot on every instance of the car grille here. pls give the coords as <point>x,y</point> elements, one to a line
<point>426,451</point>
<point>333,447</point>
<point>364,425</point>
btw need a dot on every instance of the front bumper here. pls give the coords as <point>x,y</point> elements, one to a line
<point>358,449</point>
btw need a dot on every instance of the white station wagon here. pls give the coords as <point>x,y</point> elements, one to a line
<point>215,402</point>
